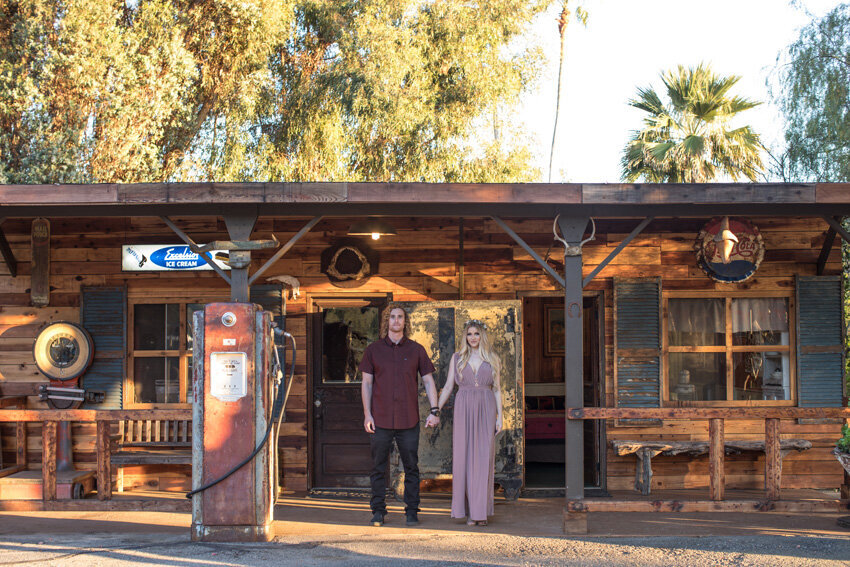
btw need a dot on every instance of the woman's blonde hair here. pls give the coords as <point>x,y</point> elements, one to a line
<point>385,320</point>
<point>485,349</point>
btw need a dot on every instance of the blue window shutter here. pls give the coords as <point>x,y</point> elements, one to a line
<point>820,337</point>
<point>103,313</point>
<point>637,345</point>
<point>270,298</point>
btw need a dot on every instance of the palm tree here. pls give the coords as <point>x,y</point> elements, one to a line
<point>689,139</point>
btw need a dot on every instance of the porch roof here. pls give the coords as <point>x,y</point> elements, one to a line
<point>426,199</point>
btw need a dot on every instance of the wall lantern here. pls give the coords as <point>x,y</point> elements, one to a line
<point>725,240</point>
<point>373,227</point>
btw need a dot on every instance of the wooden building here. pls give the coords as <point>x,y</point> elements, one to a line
<point>660,329</point>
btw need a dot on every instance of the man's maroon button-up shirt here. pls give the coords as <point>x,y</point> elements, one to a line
<point>395,387</point>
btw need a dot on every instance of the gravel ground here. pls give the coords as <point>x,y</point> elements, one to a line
<point>425,550</point>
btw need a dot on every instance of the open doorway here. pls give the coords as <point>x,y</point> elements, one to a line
<point>545,466</point>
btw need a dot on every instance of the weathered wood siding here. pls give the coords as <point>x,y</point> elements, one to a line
<point>421,263</point>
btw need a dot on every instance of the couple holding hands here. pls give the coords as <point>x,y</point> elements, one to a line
<point>391,413</point>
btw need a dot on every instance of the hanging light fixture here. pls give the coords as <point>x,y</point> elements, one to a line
<point>725,240</point>
<point>372,227</point>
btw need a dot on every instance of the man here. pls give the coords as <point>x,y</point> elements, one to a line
<point>390,393</point>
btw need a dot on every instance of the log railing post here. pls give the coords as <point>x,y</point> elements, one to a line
<point>772,458</point>
<point>104,461</point>
<point>21,444</point>
<point>48,460</point>
<point>716,455</point>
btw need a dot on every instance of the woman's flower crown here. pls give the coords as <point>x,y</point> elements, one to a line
<point>475,323</point>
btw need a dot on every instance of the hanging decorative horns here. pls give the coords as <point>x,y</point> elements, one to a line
<point>726,240</point>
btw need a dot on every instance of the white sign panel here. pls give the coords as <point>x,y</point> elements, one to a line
<point>167,258</point>
<point>228,375</point>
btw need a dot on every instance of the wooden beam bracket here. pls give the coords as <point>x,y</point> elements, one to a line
<point>546,267</point>
<point>836,225</point>
<point>8,255</point>
<point>193,245</point>
<point>284,249</point>
<point>637,230</point>
<point>825,250</point>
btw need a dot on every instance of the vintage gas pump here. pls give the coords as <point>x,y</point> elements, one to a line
<point>236,384</point>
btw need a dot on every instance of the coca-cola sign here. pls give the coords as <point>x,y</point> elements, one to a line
<point>729,249</point>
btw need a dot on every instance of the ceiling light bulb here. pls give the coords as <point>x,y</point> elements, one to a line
<point>376,235</point>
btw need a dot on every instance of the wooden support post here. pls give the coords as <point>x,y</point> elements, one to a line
<point>21,443</point>
<point>716,454</point>
<point>572,230</point>
<point>575,523</point>
<point>104,461</point>
<point>48,460</point>
<point>845,488</point>
<point>772,459</point>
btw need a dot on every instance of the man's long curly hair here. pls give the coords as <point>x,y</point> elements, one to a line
<point>385,320</point>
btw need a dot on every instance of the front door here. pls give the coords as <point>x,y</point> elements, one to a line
<point>340,330</point>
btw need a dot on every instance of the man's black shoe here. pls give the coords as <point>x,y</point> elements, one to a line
<point>378,519</point>
<point>412,519</point>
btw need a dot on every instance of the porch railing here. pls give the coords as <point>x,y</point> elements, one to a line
<point>49,420</point>
<point>716,422</point>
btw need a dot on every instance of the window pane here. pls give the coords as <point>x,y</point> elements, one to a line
<point>696,322</point>
<point>156,380</point>
<point>760,321</point>
<point>190,320</point>
<point>346,332</point>
<point>761,375</point>
<point>156,326</point>
<point>697,376</point>
<point>149,327</point>
<point>172,326</point>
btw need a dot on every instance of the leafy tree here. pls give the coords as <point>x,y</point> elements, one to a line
<point>813,91</point>
<point>152,90</point>
<point>689,139</point>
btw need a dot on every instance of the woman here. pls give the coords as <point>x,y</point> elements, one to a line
<point>477,420</point>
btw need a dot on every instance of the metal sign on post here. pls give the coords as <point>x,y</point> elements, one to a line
<point>169,257</point>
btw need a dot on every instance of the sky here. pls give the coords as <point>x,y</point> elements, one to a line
<point>627,44</point>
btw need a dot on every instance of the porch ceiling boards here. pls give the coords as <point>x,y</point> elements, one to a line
<point>426,199</point>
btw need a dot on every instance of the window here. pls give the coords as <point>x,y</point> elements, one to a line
<point>161,353</point>
<point>728,350</point>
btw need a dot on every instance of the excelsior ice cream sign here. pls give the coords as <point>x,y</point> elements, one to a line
<point>166,258</point>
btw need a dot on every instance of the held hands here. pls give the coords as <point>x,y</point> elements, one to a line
<point>369,424</point>
<point>432,421</point>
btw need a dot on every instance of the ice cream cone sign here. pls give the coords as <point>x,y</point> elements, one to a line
<point>726,240</point>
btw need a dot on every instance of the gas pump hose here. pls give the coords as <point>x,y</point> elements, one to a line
<point>276,417</point>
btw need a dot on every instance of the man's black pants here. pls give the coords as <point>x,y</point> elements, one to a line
<point>407,441</point>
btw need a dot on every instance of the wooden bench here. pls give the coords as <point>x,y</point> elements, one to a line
<point>645,450</point>
<point>150,442</point>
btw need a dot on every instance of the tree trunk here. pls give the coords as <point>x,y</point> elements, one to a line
<point>562,31</point>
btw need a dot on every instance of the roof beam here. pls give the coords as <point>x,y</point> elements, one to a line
<point>543,264</point>
<point>637,230</point>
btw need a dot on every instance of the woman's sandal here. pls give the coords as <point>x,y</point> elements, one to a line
<point>476,523</point>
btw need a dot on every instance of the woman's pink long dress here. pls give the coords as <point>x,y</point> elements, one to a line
<point>473,443</point>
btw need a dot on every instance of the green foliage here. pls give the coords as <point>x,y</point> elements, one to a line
<point>689,138</point>
<point>813,91</point>
<point>844,443</point>
<point>310,90</point>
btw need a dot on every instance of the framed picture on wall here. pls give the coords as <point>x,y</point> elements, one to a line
<point>553,333</point>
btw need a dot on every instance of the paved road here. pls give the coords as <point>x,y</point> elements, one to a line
<point>426,549</point>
